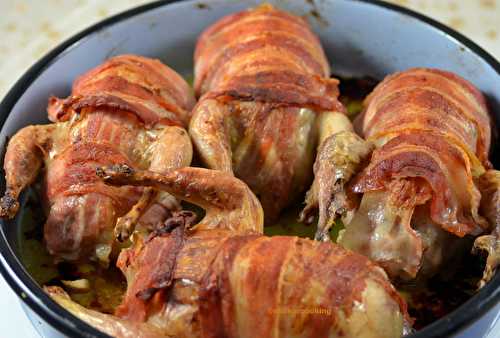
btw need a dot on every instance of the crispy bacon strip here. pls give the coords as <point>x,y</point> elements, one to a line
<point>266,53</point>
<point>431,99</point>
<point>73,172</point>
<point>150,268</point>
<point>304,288</point>
<point>444,167</point>
<point>132,83</point>
<point>264,83</point>
<point>433,134</point>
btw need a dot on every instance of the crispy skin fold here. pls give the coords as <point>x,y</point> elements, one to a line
<point>432,131</point>
<point>132,83</point>
<point>263,79</point>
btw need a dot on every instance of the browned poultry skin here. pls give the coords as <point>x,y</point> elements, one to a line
<point>128,110</point>
<point>489,185</point>
<point>225,279</point>
<point>264,85</point>
<point>418,192</point>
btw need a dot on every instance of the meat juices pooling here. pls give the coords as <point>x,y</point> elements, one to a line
<point>266,102</point>
<point>129,110</point>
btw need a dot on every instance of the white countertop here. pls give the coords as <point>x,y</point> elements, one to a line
<point>31,28</point>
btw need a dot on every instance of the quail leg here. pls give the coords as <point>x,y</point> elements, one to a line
<point>340,156</point>
<point>228,202</point>
<point>23,160</point>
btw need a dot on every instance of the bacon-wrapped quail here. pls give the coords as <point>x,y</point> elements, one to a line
<point>266,102</point>
<point>419,194</point>
<point>130,110</point>
<point>223,278</point>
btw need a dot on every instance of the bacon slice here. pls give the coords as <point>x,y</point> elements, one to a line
<point>435,100</point>
<point>148,271</point>
<point>295,288</point>
<point>444,167</point>
<point>144,86</point>
<point>73,172</point>
<point>264,55</point>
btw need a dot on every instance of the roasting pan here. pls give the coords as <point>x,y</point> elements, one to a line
<point>360,38</point>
